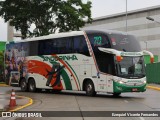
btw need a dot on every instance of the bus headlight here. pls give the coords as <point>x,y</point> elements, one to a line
<point>144,81</point>
<point>121,82</point>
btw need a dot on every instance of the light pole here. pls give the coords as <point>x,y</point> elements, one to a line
<point>146,44</point>
<point>152,19</point>
<point>126,16</point>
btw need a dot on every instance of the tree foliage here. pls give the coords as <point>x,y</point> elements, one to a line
<point>48,16</point>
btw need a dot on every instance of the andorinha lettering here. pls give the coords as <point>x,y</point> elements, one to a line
<point>134,81</point>
<point>56,58</point>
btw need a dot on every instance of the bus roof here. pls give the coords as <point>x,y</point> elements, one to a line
<point>56,35</point>
<point>73,33</point>
<point>106,31</point>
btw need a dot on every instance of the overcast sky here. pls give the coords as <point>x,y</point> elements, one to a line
<point>107,7</point>
<point>101,8</point>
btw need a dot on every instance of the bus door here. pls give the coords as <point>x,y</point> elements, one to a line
<point>105,84</point>
<point>102,83</point>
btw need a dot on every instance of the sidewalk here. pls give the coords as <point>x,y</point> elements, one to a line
<point>21,102</point>
<point>3,85</point>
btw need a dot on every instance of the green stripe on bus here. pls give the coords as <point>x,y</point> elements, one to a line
<point>74,73</point>
<point>66,80</point>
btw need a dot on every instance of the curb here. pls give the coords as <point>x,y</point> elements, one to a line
<point>26,105</point>
<point>153,87</point>
<point>4,85</point>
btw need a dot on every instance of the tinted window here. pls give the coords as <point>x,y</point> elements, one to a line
<point>56,46</point>
<point>80,45</point>
<point>104,60</point>
<point>99,40</point>
<point>33,48</point>
<point>46,47</point>
<point>127,43</point>
<point>64,45</point>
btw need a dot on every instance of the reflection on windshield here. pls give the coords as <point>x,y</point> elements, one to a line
<point>131,67</point>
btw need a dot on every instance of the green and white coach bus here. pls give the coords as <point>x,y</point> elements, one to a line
<point>92,61</point>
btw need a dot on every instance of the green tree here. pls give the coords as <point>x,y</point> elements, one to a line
<point>48,16</point>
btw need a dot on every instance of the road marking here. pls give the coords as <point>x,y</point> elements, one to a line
<point>26,105</point>
<point>4,85</point>
<point>153,87</point>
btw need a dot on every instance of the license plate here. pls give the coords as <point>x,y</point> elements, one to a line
<point>134,89</point>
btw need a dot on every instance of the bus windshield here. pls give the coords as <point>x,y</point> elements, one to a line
<point>131,67</point>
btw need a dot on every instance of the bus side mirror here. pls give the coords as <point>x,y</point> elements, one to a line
<point>151,55</point>
<point>112,51</point>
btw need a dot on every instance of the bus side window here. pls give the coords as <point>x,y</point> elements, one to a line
<point>45,47</point>
<point>64,45</point>
<point>33,48</point>
<point>80,45</point>
<point>69,44</point>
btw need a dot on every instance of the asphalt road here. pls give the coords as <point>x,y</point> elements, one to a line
<point>71,101</point>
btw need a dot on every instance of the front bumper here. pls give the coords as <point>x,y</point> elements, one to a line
<point>120,88</point>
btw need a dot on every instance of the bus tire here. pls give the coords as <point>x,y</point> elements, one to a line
<point>89,88</point>
<point>31,85</point>
<point>23,85</point>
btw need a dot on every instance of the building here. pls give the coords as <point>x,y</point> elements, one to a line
<point>147,31</point>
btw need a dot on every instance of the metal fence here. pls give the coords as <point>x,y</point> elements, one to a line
<point>153,73</point>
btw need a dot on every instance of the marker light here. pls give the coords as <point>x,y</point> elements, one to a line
<point>119,58</point>
<point>152,59</point>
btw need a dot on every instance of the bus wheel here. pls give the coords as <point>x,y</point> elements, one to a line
<point>31,85</point>
<point>116,94</point>
<point>89,87</point>
<point>23,85</point>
